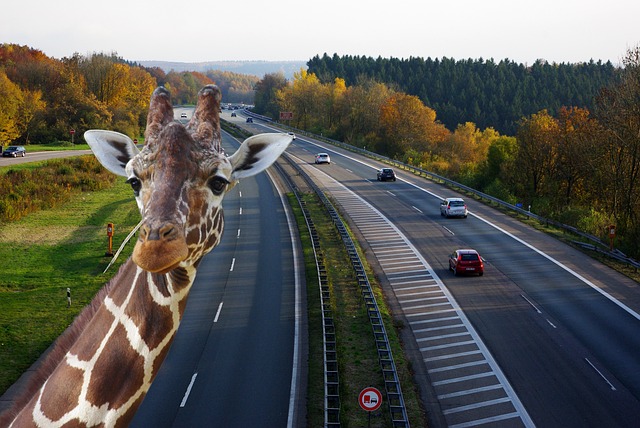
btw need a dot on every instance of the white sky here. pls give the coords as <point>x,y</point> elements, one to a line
<point>217,30</point>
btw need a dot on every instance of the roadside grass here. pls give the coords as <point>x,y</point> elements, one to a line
<point>358,363</point>
<point>44,253</point>
<point>58,145</point>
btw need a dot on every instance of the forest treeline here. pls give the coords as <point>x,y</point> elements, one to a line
<point>485,92</point>
<point>574,164</point>
<point>43,98</point>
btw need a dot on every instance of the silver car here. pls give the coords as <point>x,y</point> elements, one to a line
<point>323,158</point>
<point>453,207</point>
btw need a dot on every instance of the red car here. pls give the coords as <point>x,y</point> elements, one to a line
<point>466,261</point>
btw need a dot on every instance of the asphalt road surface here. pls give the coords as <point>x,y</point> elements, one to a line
<point>232,361</point>
<point>562,327</point>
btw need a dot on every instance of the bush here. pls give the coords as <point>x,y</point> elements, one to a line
<point>27,190</point>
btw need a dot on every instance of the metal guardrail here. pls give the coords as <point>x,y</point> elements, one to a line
<point>330,354</point>
<point>395,399</point>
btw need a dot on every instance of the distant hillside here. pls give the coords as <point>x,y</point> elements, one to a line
<point>256,68</point>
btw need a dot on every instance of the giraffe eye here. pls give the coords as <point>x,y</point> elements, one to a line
<point>136,185</point>
<point>217,185</point>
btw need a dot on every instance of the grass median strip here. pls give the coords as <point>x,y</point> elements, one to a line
<point>356,348</point>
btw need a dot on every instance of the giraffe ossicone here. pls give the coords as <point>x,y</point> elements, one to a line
<point>100,369</point>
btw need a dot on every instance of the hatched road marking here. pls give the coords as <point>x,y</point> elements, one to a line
<point>470,386</point>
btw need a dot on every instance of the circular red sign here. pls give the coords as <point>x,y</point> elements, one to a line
<point>72,131</point>
<point>370,399</point>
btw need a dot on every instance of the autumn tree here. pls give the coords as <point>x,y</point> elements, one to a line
<point>359,113</point>
<point>265,100</point>
<point>406,123</point>
<point>11,100</point>
<point>577,131</point>
<point>537,150</point>
<point>466,149</point>
<point>496,175</point>
<point>618,110</point>
<point>335,94</point>
<point>235,87</point>
<point>302,97</point>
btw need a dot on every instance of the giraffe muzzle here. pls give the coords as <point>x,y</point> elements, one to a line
<point>160,249</point>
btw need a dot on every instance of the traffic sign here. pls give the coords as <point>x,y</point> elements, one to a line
<point>370,399</point>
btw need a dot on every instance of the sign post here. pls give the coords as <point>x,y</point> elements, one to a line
<point>370,400</point>
<point>109,239</point>
<point>286,115</point>
<point>73,133</point>
<point>612,235</point>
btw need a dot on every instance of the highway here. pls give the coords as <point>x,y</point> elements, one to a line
<point>235,361</point>
<point>556,328</point>
<point>562,328</point>
<point>41,156</point>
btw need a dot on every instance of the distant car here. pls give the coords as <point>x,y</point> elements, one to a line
<point>323,158</point>
<point>233,114</point>
<point>249,120</point>
<point>465,262</point>
<point>292,135</point>
<point>183,115</point>
<point>385,174</point>
<point>14,151</point>
<point>453,207</point>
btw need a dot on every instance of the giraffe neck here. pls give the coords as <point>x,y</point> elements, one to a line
<point>107,371</point>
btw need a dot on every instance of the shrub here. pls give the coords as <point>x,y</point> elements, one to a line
<point>27,190</point>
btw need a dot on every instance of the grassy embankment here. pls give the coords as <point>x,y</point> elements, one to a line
<point>45,250</point>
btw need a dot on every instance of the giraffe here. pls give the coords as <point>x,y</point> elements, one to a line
<point>101,368</point>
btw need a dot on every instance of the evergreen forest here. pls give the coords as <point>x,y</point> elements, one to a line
<point>485,92</point>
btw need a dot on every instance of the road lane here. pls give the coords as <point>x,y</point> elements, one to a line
<point>555,365</point>
<point>235,347</point>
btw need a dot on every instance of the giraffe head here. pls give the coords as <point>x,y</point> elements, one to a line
<point>180,177</point>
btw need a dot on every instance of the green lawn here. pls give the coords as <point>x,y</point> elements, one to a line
<point>43,254</point>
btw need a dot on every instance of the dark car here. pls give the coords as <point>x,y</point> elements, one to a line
<point>15,151</point>
<point>249,120</point>
<point>233,114</point>
<point>385,174</point>
<point>465,262</point>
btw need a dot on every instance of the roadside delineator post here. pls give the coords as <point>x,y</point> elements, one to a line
<point>110,239</point>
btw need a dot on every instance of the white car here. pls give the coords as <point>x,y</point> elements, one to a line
<point>453,207</point>
<point>323,158</point>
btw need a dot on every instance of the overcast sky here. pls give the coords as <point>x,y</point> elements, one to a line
<point>218,30</point>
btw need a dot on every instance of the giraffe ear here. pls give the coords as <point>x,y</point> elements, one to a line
<point>113,149</point>
<point>257,153</point>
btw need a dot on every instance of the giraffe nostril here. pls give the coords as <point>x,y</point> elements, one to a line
<point>167,231</point>
<point>144,232</point>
